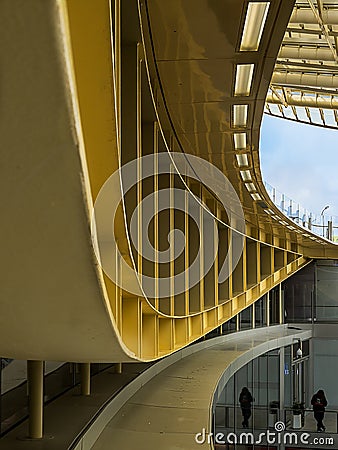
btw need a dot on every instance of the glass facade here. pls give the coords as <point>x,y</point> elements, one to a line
<point>273,398</point>
<point>245,319</point>
<point>274,306</point>
<point>260,312</point>
<point>311,294</point>
<point>326,292</point>
<point>229,326</point>
<point>261,377</point>
<point>325,355</point>
<point>299,295</point>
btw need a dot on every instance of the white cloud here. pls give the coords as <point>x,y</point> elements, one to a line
<point>302,162</point>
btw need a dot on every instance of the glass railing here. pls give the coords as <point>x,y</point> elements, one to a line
<point>269,426</point>
<point>324,225</point>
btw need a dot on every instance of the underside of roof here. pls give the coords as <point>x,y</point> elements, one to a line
<point>304,86</point>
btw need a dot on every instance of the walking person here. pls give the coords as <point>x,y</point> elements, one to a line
<point>319,403</point>
<point>245,400</point>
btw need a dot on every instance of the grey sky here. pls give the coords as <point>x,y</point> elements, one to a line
<point>302,162</point>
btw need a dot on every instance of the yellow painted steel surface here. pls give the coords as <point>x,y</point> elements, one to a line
<point>113,83</point>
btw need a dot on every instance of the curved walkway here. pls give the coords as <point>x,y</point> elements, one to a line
<point>169,410</point>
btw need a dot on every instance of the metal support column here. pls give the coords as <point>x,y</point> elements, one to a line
<point>310,367</point>
<point>237,323</point>
<point>267,308</point>
<point>35,391</point>
<point>281,304</point>
<point>85,378</point>
<point>282,415</point>
<point>330,230</point>
<point>118,367</point>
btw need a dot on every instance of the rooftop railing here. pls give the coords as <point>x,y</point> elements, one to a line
<point>324,225</point>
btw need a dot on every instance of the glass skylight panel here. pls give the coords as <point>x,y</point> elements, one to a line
<point>246,175</point>
<point>301,113</point>
<point>250,187</point>
<point>274,109</point>
<point>329,117</point>
<point>242,160</point>
<point>255,19</point>
<point>243,79</point>
<point>315,115</point>
<point>256,196</point>
<point>240,141</point>
<point>240,115</point>
<point>288,113</point>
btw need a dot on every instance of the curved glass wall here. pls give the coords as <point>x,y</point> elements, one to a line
<point>261,377</point>
<point>281,396</point>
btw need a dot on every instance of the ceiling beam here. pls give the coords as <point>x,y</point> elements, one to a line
<point>294,99</point>
<point>305,52</point>
<point>307,89</point>
<point>319,17</point>
<point>305,79</point>
<point>301,30</point>
<point>303,65</point>
<point>305,15</point>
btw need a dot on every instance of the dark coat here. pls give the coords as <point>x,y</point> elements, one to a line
<point>319,401</point>
<point>245,399</point>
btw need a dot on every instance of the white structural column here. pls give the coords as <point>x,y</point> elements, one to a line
<point>35,392</point>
